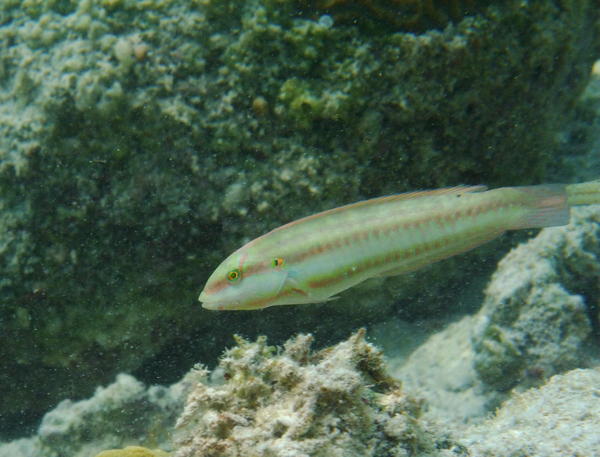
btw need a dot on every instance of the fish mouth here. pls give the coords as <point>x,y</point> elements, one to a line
<point>218,306</point>
<point>208,304</point>
<point>215,305</point>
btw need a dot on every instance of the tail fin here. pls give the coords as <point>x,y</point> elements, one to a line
<point>547,206</point>
<point>587,193</point>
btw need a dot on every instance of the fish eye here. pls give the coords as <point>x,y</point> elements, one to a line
<point>234,275</point>
<point>278,262</point>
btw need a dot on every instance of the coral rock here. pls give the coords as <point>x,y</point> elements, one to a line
<point>296,402</point>
<point>538,313</point>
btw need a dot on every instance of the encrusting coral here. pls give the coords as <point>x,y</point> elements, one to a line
<point>296,402</point>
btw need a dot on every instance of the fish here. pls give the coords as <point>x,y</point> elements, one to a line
<point>313,259</point>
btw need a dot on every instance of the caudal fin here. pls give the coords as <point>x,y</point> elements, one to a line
<point>547,206</point>
<point>587,193</point>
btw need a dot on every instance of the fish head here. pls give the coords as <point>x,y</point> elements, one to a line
<point>244,281</point>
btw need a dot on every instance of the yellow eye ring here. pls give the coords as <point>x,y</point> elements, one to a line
<point>234,275</point>
<point>278,262</point>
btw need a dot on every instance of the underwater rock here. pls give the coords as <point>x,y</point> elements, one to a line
<point>297,402</point>
<point>23,447</point>
<point>580,140</point>
<point>541,305</point>
<point>441,372</point>
<point>293,401</point>
<point>124,412</point>
<point>536,321</point>
<point>411,15</point>
<point>135,155</point>
<point>558,419</point>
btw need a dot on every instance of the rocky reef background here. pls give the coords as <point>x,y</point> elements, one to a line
<point>140,142</point>
<point>489,384</point>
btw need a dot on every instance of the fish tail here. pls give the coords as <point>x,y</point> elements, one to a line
<point>587,193</point>
<point>547,206</point>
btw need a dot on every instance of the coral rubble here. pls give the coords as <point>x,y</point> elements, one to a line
<point>296,402</point>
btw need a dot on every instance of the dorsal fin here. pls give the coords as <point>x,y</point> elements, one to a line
<point>457,190</point>
<point>396,197</point>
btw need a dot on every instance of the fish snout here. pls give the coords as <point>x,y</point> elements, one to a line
<point>206,302</point>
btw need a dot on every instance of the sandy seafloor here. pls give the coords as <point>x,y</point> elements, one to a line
<point>544,401</point>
